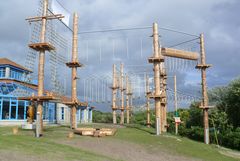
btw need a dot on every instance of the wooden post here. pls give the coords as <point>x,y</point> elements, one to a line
<point>38,125</point>
<point>130,98</point>
<point>122,94</point>
<point>41,66</point>
<point>148,101</point>
<point>205,107</point>
<point>175,102</point>
<point>156,63</point>
<point>163,80</point>
<point>74,70</point>
<point>114,92</point>
<point>127,99</point>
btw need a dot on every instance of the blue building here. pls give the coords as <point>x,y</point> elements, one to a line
<point>14,83</point>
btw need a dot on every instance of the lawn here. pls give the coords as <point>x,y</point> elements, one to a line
<point>26,143</point>
<point>50,147</point>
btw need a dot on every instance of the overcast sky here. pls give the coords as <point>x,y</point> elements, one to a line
<point>217,19</point>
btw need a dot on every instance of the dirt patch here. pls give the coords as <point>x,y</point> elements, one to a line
<point>13,156</point>
<point>121,150</point>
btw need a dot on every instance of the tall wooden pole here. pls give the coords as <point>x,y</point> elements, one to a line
<point>74,70</point>
<point>130,98</point>
<point>203,66</point>
<point>148,101</point>
<point>163,80</point>
<point>175,103</point>
<point>122,94</point>
<point>156,60</point>
<point>41,66</point>
<point>127,99</point>
<point>114,93</point>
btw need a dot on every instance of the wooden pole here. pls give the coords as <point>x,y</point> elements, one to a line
<point>114,93</point>
<point>122,94</point>
<point>163,80</point>
<point>127,99</point>
<point>175,102</point>
<point>204,66</point>
<point>41,67</point>
<point>74,70</point>
<point>130,99</point>
<point>157,92</point>
<point>148,101</point>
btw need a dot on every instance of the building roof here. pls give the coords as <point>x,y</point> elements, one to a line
<point>6,61</point>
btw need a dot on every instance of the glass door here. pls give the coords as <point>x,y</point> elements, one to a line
<point>13,108</point>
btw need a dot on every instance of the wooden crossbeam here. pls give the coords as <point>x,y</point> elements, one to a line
<point>48,17</point>
<point>179,54</point>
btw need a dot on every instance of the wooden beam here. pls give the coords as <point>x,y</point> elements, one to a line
<point>48,17</point>
<point>181,54</point>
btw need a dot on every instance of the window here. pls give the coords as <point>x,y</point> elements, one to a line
<point>21,110</point>
<point>1,101</point>
<point>62,113</point>
<point>5,109</point>
<point>2,72</point>
<point>14,74</point>
<point>13,108</point>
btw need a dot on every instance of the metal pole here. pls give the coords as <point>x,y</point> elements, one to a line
<point>74,70</point>
<point>175,102</point>
<point>204,90</point>
<point>122,94</point>
<point>41,66</point>
<point>114,93</point>
<point>157,78</point>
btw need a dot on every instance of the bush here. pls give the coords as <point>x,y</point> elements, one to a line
<point>195,133</point>
<point>232,140</point>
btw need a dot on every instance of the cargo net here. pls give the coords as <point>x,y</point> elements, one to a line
<point>55,60</point>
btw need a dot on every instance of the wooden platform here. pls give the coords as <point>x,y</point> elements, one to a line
<point>200,66</point>
<point>162,95</point>
<point>206,107</point>
<point>154,59</point>
<point>74,64</point>
<point>76,103</point>
<point>39,98</point>
<point>95,132</point>
<point>114,87</point>
<point>41,46</point>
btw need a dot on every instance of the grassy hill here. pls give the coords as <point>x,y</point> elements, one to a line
<point>129,142</point>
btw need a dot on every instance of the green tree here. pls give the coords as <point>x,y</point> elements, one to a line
<point>195,115</point>
<point>233,103</point>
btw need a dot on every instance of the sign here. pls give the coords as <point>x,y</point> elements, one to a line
<point>177,119</point>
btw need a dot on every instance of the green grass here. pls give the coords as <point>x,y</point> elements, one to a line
<point>172,144</point>
<point>47,145</point>
<point>26,143</point>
